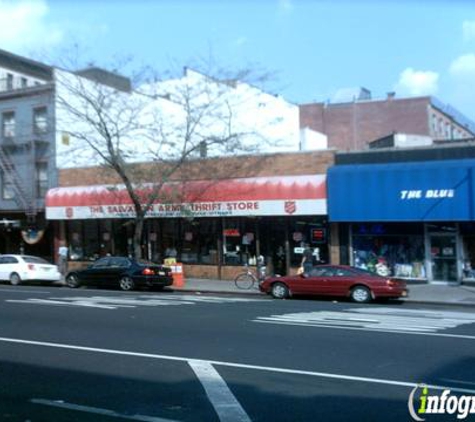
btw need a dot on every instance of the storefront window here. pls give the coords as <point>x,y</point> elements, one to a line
<point>312,231</point>
<point>190,241</point>
<point>208,232</point>
<point>467,232</point>
<point>389,249</point>
<point>91,240</point>
<point>75,237</point>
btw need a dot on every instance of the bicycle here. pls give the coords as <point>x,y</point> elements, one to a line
<point>247,279</point>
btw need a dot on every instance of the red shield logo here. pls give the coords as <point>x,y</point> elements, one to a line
<point>69,212</point>
<point>290,207</point>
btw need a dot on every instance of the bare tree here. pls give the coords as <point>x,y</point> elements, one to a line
<point>150,129</point>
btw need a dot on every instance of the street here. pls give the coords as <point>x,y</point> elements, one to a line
<point>100,355</point>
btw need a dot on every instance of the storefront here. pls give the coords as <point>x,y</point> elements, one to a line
<point>214,227</point>
<point>413,220</point>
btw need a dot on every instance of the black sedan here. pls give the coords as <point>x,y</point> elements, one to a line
<point>124,272</point>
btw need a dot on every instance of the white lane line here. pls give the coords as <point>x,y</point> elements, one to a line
<point>226,405</point>
<point>232,365</point>
<point>104,412</point>
<point>371,330</point>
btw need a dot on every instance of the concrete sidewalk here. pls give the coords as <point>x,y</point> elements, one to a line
<point>447,294</point>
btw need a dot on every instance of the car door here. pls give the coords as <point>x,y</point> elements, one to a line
<point>117,267</point>
<point>96,274</point>
<point>3,268</point>
<point>339,282</point>
<point>315,283</point>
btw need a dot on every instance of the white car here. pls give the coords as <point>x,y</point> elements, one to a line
<point>18,268</point>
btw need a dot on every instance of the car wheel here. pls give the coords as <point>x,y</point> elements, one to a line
<point>15,279</point>
<point>360,294</point>
<point>126,283</point>
<point>72,281</point>
<point>280,291</point>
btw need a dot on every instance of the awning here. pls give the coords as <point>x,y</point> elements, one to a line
<point>417,191</point>
<point>258,196</point>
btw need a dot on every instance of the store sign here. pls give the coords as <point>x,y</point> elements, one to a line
<point>428,193</point>
<point>417,191</point>
<point>197,209</point>
<point>242,197</point>
<point>231,232</point>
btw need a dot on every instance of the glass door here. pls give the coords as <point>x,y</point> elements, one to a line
<point>443,250</point>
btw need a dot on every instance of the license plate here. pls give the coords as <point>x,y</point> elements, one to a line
<point>161,273</point>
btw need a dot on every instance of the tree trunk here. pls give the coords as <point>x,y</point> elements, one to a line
<point>138,231</point>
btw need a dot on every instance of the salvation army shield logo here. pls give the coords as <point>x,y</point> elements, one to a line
<point>290,207</point>
<point>69,212</point>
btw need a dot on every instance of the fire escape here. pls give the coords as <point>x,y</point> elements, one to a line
<point>18,151</point>
<point>23,194</point>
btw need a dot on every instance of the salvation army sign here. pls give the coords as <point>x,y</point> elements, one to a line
<point>262,196</point>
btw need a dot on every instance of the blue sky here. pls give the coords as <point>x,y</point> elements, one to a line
<point>315,48</point>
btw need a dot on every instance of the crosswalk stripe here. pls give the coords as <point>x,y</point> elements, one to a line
<point>114,302</point>
<point>381,319</point>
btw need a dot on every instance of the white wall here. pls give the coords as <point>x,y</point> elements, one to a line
<point>259,122</point>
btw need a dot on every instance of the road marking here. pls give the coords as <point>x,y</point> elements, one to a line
<point>105,412</point>
<point>388,320</point>
<point>231,364</point>
<point>111,302</point>
<point>226,405</point>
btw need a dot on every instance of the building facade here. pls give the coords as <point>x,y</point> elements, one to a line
<point>270,205</point>
<point>27,154</point>
<point>351,125</point>
<point>408,213</point>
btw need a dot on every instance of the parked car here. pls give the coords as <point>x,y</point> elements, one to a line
<point>336,280</point>
<point>19,268</point>
<point>123,272</point>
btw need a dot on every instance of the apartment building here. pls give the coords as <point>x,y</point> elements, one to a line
<point>353,124</point>
<point>27,168</point>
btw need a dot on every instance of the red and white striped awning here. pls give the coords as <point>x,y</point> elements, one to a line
<point>256,196</point>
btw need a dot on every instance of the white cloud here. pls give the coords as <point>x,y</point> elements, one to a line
<point>23,25</point>
<point>417,82</point>
<point>285,7</point>
<point>463,66</point>
<point>468,30</point>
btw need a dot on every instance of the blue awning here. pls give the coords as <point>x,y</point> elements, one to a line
<point>413,191</point>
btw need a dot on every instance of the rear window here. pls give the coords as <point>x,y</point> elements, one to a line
<point>34,260</point>
<point>146,263</point>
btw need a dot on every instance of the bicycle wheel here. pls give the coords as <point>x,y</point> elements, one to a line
<point>244,281</point>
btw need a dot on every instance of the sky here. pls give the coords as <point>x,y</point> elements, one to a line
<point>315,49</point>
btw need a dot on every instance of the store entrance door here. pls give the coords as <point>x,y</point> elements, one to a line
<point>443,249</point>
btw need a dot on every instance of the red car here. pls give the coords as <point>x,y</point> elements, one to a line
<point>336,280</point>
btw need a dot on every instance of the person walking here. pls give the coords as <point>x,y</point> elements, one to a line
<point>63,258</point>
<point>307,260</point>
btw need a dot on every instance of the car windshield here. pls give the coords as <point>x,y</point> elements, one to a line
<point>34,260</point>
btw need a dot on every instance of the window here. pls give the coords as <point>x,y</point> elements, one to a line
<point>41,179</point>
<point>8,191</point>
<point>40,120</point>
<point>8,124</point>
<point>9,81</point>
<point>24,82</point>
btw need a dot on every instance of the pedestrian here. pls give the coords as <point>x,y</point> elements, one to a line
<point>307,260</point>
<point>63,258</point>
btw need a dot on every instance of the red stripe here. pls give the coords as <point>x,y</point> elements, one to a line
<point>252,189</point>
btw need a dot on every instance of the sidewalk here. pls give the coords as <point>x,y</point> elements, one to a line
<point>446,294</point>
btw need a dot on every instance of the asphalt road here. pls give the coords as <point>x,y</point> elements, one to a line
<point>101,355</point>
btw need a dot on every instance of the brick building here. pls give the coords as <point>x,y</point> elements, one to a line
<point>352,125</point>
<point>232,210</point>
